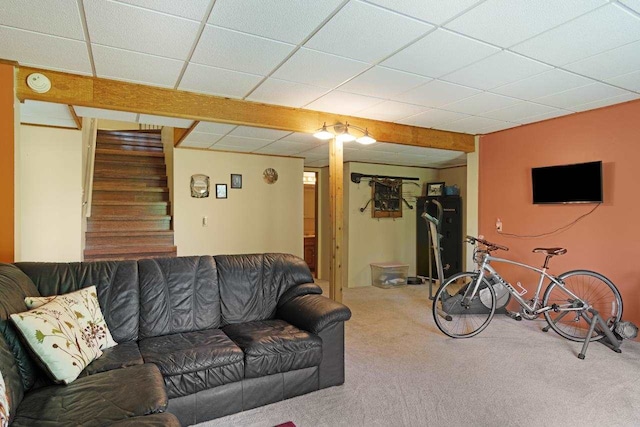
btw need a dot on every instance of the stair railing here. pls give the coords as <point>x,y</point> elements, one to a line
<point>87,184</point>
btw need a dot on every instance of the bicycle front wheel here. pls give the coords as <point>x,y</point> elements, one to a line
<point>591,287</point>
<point>457,316</point>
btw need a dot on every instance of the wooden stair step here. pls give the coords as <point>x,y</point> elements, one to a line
<point>97,239</point>
<point>114,207</point>
<point>129,218</point>
<point>112,182</point>
<point>130,249</point>
<point>130,153</point>
<point>134,188</point>
<point>124,257</point>
<point>132,194</point>
<point>130,147</point>
<point>116,223</point>
<point>123,170</point>
<point>148,134</point>
<point>132,161</point>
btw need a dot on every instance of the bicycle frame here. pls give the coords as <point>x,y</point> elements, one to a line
<point>485,268</point>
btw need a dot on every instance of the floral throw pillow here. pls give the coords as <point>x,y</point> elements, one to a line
<point>86,308</point>
<point>4,404</point>
<point>54,335</point>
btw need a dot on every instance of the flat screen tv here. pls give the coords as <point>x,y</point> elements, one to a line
<point>577,183</point>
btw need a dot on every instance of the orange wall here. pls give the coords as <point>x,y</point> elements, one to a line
<point>608,240</point>
<point>7,159</point>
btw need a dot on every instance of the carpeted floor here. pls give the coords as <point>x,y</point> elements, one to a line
<point>402,371</point>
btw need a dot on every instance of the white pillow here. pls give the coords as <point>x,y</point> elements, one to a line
<point>54,335</point>
<point>4,404</point>
<point>86,308</point>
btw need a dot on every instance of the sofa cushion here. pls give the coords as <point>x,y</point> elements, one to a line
<point>121,356</point>
<point>14,390</point>
<point>115,281</point>
<point>274,346</point>
<point>194,361</point>
<point>14,287</point>
<point>154,420</point>
<point>178,295</point>
<point>96,400</point>
<point>251,285</point>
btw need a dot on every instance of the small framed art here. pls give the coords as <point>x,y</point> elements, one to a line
<point>221,191</point>
<point>435,189</point>
<point>236,180</point>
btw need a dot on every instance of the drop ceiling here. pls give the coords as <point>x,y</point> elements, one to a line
<point>460,65</point>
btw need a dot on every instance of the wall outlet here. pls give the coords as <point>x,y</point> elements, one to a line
<point>205,221</point>
<point>498,225</point>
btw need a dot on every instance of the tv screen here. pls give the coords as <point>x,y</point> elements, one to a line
<point>578,183</point>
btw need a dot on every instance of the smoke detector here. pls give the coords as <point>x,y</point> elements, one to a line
<point>39,83</point>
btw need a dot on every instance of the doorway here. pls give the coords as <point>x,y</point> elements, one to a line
<point>310,180</point>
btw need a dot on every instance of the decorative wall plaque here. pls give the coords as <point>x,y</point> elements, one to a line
<point>199,186</point>
<point>270,175</point>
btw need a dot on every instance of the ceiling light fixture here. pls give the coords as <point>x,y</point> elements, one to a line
<point>323,133</point>
<point>342,133</point>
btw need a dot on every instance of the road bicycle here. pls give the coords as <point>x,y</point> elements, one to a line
<point>465,304</point>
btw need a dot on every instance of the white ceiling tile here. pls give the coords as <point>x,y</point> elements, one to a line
<point>383,82</point>
<point>285,147</point>
<point>233,50</point>
<point>140,30</point>
<point>99,113</point>
<point>317,163</point>
<point>633,4</point>
<point>385,147</point>
<point>515,113</point>
<point>543,84</point>
<point>390,111</point>
<point>243,143</point>
<point>217,81</point>
<point>612,63</point>
<point>282,92</point>
<point>258,133</point>
<point>546,116</point>
<point>593,33</point>
<point>471,124</point>
<point>122,64</point>
<point>319,69</point>
<point>434,11</point>
<point>497,70</point>
<point>629,96</point>
<point>436,93</point>
<point>480,103</point>
<point>433,118</point>
<point>215,128</point>
<point>192,9</point>
<point>45,109</point>
<point>582,95</point>
<point>319,151</point>
<point>48,121</point>
<point>55,17</point>
<point>204,140</point>
<point>507,22</point>
<point>366,32</point>
<point>439,53</point>
<point>29,48</point>
<point>187,143</point>
<point>629,81</point>
<point>232,148</point>
<point>288,21</point>
<point>343,103</point>
<point>272,151</point>
<point>305,138</point>
<point>496,128</point>
<point>148,119</point>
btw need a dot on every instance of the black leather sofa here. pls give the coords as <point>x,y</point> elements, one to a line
<point>198,338</point>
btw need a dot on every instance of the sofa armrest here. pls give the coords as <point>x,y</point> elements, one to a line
<point>299,290</point>
<point>313,313</point>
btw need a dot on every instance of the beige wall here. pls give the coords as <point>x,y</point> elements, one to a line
<point>471,210</point>
<point>17,203</point>
<point>257,218</point>
<point>379,240</point>
<point>117,125</point>
<point>309,210</point>
<point>50,194</point>
<point>167,145</point>
<point>324,224</point>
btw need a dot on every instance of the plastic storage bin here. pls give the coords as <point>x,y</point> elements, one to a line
<point>389,274</point>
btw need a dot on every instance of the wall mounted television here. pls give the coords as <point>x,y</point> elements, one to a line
<point>577,183</point>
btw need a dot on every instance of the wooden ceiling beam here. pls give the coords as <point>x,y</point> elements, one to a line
<point>86,91</point>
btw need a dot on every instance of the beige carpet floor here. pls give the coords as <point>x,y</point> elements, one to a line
<point>402,371</point>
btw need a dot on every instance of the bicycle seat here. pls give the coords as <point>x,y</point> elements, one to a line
<point>550,251</point>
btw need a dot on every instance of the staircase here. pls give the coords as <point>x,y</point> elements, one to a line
<point>130,209</point>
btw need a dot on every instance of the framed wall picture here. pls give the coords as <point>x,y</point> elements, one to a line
<point>221,191</point>
<point>435,189</point>
<point>236,180</point>
<point>199,186</point>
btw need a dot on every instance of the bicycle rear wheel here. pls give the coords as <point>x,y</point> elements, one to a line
<point>593,288</point>
<point>457,318</point>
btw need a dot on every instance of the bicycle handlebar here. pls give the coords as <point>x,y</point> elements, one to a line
<point>490,246</point>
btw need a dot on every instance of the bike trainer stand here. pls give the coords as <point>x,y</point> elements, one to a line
<point>609,338</point>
